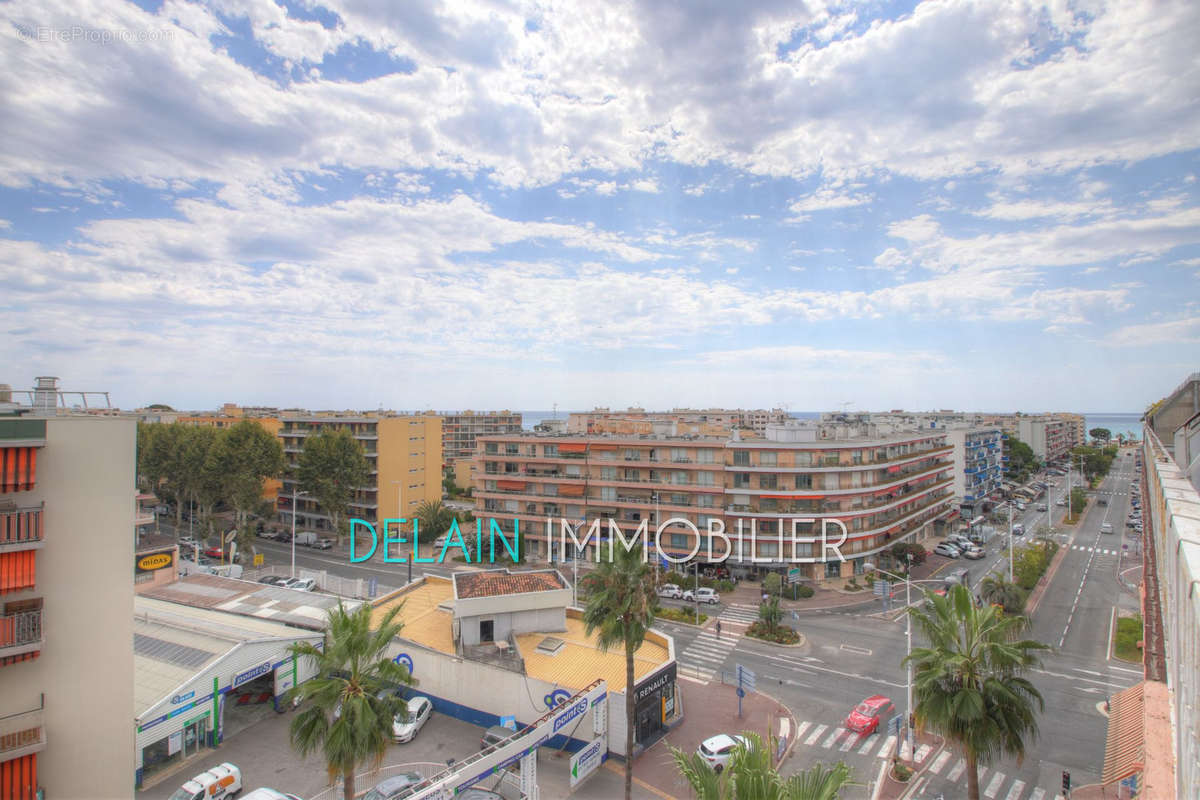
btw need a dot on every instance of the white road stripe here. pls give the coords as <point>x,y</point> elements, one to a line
<point>804,726</point>
<point>1014,792</point>
<point>923,752</point>
<point>1038,794</point>
<point>690,657</point>
<point>886,749</point>
<point>833,737</point>
<point>850,740</point>
<point>994,786</point>
<point>939,763</point>
<point>868,742</point>
<point>811,740</point>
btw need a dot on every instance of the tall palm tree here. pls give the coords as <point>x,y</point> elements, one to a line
<point>995,588</point>
<point>969,683</point>
<point>352,701</point>
<point>751,774</point>
<point>620,609</point>
<point>771,615</point>
<point>434,518</point>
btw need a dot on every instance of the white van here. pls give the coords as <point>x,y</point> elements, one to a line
<point>1106,527</point>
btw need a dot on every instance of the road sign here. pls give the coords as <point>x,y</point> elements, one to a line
<point>881,589</point>
<point>585,761</point>
<point>741,693</point>
<point>746,677</point>
<point>793,575</point>
<point>259,559</point>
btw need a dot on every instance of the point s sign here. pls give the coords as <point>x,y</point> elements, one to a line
<point>151,562</point>
<point>568,714</point>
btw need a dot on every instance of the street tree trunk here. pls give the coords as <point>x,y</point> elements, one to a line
<point>348,785</point>
<point>972,776</point>
<point>629,722</point>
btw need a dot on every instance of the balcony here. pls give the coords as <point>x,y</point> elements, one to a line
<point>20,633</point>
<point>21,529</point>
<point>22,734</point>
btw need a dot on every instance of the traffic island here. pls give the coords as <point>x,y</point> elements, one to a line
<point>891,786</point>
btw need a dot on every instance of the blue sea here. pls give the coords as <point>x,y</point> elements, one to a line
<point>531,418</point>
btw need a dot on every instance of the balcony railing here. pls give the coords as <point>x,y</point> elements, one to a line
<point>21,734</point>
<point>20,528</point>
<point>20,630</point>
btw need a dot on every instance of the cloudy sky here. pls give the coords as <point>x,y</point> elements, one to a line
<point>479,203</point>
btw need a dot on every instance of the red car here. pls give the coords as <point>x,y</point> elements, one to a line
<point>865,717</point>
<point>214,552</point>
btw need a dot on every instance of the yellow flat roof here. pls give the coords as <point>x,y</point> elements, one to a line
<point>578,662</point>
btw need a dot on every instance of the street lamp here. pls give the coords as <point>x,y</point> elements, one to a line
<point>296,494</point>
<point>400,510</point>
<point>870,567</point>
<point>657,522</point>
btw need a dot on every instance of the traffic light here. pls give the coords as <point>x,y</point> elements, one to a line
<point>1066,783</point>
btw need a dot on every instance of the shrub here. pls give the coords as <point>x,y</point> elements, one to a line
<point>781,635</point>
<point>804,591</point>
<point>772,583</point>
<point>680,615</point>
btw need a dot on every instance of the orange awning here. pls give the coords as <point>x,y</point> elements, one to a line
<point>570,490</point>
<point>18,776</point>
<point>18,469</point>
<point>1124,750</point>
<point>511,484</point>
<point>18,570</point>
<point>579,447</point>
<point>604,447</point>
<point>795,496</point>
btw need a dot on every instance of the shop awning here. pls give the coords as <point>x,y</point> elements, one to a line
<point>574,447</point>
<point>894,468</point>
<point>1124,751</point>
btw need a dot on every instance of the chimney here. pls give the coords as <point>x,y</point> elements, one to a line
<point>45,395</point>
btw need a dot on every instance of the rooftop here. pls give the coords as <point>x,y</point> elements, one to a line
<point>497,582</point>
<point>302,609</point>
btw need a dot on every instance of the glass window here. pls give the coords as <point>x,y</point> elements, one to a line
<point>803,459</point>
<point>741,458</point>
<point>833,568</point>
<point>608,473</point>
<point>550,451</point>
<point>490,448</point>
<point>804,481</point>
<point>511,449</point>
<point>768,481</point>
<point>741,480</point>
<point>705,456</point>
<point>767,458</point>
<point>608,493</point>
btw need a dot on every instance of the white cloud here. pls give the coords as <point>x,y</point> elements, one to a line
<point>1180,331</point>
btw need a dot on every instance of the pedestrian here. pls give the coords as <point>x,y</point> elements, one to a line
<point>718,629</point>
<point>764,597</point>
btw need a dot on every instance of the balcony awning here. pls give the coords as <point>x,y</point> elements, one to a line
<point>795,496</point>
<point>602,447</point>
<point>570,490</point>
<point>511,484</point>
<point>1124,751</point>
<point>18,570</point>
<point>578,447</point>
<point>894,468</point>
<point>18,469</point>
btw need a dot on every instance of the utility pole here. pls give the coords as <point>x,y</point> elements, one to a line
<point>1010,543</point>
<point>696,592</point>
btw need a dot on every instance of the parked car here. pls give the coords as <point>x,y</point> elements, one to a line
<point>274,580</point>
<point>494,735</point>
<point>1060,502</point>
<point>395,787</point>
<point>973,552</point>
<point>218,783</point>
<point>865,717</point>
<point>419,710</point>
<point>670,590</point>
<point>958,540</point>
<point>1106,527</point>
<point>702,595</point>
<point>717,750</point>
<point>214,552</point>
<point>300,584</point>
<point>1018,529</point>
<point>1102,502</point>
<point>268,794</point>
<point>947,550</point>
<point>322,544</point>
<point>1042,507</point>
<point>956,577</point>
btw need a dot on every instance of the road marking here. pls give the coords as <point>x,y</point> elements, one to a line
<point>862,651</point>
<point>811,740</point>
<point>804,726</point>
<point>841,674</point>
<point>923,752</point>
<point>833,737</point>
<point>939,763</point>
<point>982,772</point>
<point>994,786</point>
<point>697,680</point>
<point>1014,793</point>
<point>849,742</point>
<point>866,746</point>
<point>692,657</point>
<point>1088,671</point>
<point>1126,669</point>
<point>1038,793</point>
<point>888,744</point>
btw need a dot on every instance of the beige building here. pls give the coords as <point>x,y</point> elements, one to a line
<point>405,457</point>
<point>685,421</point>
<point>460,429</point>
<point>66,630</point>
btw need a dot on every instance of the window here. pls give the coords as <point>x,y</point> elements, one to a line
<point>803,459</point>
<point>741,480</point>
<point>767,458</point>
<point>550,490</point>
<point>531,508</point>
<point>768,504</point>
<point>833,568</point>
<point>511,506</point>
<point>632,455</point>
<point>681,540</point>
<point>490,448</point>
<point>768,481</point>
<point>704,479</point>
<point>489,486</point>
<point>551,509</point>
<point>704,501</point>
<point>511,449</point>
<point>741,458</point>
<point>679,499</point>
<point>550,451</point>
<point>702,520</point>
<point>608,493</point>
<point>679,455</point>
<point>574,471</point>
<point>804,481</point>
<point>705,456</point>
<point>608,473</point>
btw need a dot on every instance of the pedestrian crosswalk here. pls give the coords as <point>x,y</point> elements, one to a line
<point>994,785</point>
<point>1100,551</point>
<point>707,652</point>
<point>739,613</point>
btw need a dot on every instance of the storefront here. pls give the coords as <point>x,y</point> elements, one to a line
<point>654,704</point>
<point>200,671</point>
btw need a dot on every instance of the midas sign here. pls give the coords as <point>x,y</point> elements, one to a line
<point>155,561</point>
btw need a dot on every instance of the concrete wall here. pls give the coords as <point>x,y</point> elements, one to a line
<point>86,477</point>
<point>539,620</point>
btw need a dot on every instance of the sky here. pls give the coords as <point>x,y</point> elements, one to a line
<point>490,204</point>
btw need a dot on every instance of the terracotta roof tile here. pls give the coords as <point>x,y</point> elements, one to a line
<point>493,583</point>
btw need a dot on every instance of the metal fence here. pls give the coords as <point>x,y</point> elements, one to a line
<point>358,588</point>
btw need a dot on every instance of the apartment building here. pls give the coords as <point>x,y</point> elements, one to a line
<point>978,466</point>
<point>404,453</point>
<point>66,633</point>
<point>676,422</point>
<point>884,486</point>
<point>1050,437</point>
<point>460,429</point>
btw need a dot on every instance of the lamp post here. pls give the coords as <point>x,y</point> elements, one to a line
<point>657,521</point>
<point>296,494</point>
<point>908,640</point>
<point>399,511</point>
<point>696,591</point>
<point>1010,543</point>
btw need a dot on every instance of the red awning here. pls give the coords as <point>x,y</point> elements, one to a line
<point>570,490</point>
<point>578,447</point>
<point>603,447</point>
<point>18,570</point>
<point>894,468</point>
<point>511,484</point>
<point>795,496</point>
<point>18,469</point>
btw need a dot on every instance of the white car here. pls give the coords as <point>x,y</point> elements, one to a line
<point>717,750</point>
<point>670,590</point>
<point>702,595</point>
<point>268,794</point>
<point>1060,502</point>
<point>300,584</point>
<point>419,710</point>
<point>947,550</point>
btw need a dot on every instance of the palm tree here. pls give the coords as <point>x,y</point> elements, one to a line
<point>995,588</point>
<point>620,609</point>
<point>353,700</point>
<point>434,519</point>
<point>771,615</point>
<point>751,774</point>
<point>969,685</point>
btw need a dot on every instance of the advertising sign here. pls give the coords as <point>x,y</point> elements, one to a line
<point>151,562</point>
<point>251,674</point>
<point>585,761</point>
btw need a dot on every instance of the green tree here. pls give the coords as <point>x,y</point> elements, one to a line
<point>772,583</point>
<point>620,609</point>
<point>1021,461</point>
<point>352,702</point>
<point>969,683</point>
<point>751,774</point>
<point>771,614</point>
<point>1100,433</point>
<point>434,519</point>
<point>901,552</point>
<point>332,466</point>
<point>248,455</point>
<point>996,588</point>
<point>1078,500</point>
